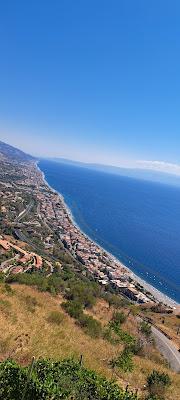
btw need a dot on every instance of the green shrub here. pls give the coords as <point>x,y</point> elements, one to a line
<point>135,347</point>
<point>157,383</point>
<point>73,308</point>
<point>83,293</point>
<point>145,328</point>
<point>123,361</point>
<point>124,336</point>
<point>119,317</point>
<point>57,380</point>
<point>110,336</point>
<point>90,325</point>
<point>8,289</point>
<point>12,382</point>
<point>115,300</point>
<point>55,317</point>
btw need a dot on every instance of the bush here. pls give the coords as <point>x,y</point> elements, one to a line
<point>124,361</point>
<point>119,317</point>
<point>158,382</point>
<point>145,328</point>
<point>57,380</point>
<point>115,300</point>
<point>83,293</point>
<point>31,303</point>
<point>124,336</point>
<point>73,308</point>
<point>110,336</point>
<point>12,382</point>
<point>90,325</point>
<point>136,347</point>
<point>8,289</point>
<point>55,317</point>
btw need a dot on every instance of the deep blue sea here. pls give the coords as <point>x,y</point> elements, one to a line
<point>137,221</point>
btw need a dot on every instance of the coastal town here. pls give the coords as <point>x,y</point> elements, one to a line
<point>38,216</point>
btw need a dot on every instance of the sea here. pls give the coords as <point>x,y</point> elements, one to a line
<point>135,220</point>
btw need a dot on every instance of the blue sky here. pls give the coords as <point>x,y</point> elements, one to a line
<point>92,80</point>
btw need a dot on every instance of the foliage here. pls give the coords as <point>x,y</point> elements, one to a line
<point>145,328</point>
<point>90,325</point>
<point>110,336</point>
<point>158,382</point>
<point>119,317</point>
<point>115,300</point>
<point>73,308</point>
<point>83,293</point>
<point>135,347</point>
<point>124,361</point>
<point>124,336</point>
<point>57,380</point>
<point>12,382</point>
<point>1,277</point>
<point>55,317</point>
<point>8,289</point>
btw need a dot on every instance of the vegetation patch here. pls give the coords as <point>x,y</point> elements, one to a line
<point>90,325</point>
<point>55,317</point>
<point>119,317</point>
<point>31,303</point>
<point>158,383</point>
<point>145,328</point>
<point>66,379</point>
<point>123,336</point>
<point>5,307</point>
<point>123,361</point>
<point>73,308</point>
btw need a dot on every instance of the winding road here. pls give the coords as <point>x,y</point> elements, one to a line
<point>167,349</point>
<point>165,346</point>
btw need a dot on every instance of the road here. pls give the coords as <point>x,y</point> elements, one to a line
<point>165,346</point>
<point>167,349</point>
<point>24,212</point>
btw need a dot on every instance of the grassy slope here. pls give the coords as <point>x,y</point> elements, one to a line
<point>24,333</point>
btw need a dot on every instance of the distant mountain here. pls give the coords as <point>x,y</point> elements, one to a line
<point>137,173</point>
<point>12,153</point>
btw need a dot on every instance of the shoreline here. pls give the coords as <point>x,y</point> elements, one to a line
<point>156,293</point>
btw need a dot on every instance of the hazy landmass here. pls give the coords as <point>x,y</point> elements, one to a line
<point>137,173</point>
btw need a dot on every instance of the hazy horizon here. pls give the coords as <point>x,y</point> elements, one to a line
<point>94,82</point>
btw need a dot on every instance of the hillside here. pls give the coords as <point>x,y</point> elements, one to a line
<point>29,326</point>
<point>53,306</point>
<point>11,153</point>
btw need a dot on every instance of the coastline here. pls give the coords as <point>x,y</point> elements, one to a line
<point>157,294</point>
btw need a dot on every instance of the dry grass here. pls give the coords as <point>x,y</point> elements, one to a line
<point>169,323</point>
<point>30,332</point>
